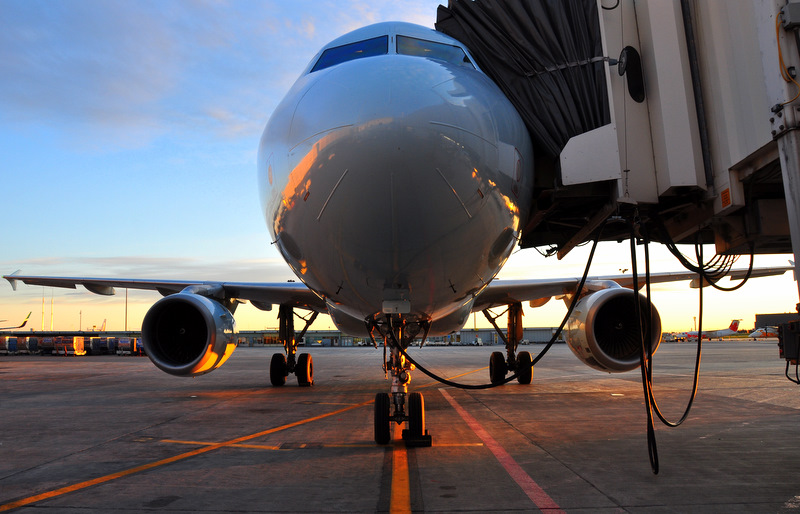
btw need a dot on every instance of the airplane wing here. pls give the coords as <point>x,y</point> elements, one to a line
<point>295,294</point>
<point>261,295</point>
<point>504,292</point>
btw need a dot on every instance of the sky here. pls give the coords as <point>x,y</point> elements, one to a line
<point>128,141</point>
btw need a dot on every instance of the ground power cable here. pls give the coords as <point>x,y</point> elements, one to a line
<point>796,371</point>
<point>646,354</point>
<point>711,272</point>
<point>696,376</point>
<point>541,354</point>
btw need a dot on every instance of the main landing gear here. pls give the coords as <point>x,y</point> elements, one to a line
<point>281,365</point>
<point>399,405</point>
<point>520,363</point>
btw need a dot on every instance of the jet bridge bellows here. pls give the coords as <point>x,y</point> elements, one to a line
<point>547,57</point>
<point>684,112</point>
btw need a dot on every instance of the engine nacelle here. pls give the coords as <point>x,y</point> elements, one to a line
<point>602,330</point>
<point>188,334</point>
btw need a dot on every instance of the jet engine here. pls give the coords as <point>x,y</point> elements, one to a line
<point>187,334</point>
<point>603,333</point>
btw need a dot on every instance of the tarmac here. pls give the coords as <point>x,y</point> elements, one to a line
<point>115,434</point>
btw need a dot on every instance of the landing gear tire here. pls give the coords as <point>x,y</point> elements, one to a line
<point>497,368</point>
<point>277,370</point>
<point>382,421</point>
<point>524,368</point>
<point>304,370</point>
<point>416,415</point>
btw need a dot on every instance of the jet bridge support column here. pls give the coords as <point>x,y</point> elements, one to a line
<point>785,115</point>
<point>789,150</point>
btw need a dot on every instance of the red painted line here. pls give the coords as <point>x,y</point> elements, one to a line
<point>514,470</point>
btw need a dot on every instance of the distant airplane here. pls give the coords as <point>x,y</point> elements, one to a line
<point>395,178</point>
<point>710,334</point>
<point>18,326</point>
<point>764,332</point>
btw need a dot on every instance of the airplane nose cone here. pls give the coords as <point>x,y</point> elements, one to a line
<point>395,166</point>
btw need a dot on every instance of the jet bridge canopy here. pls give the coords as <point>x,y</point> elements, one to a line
<point>547,57</point>
<point>673,111</point>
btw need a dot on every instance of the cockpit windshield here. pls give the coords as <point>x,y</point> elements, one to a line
<point>405,46</point>
<point>432,50</point>
<point>344,53</point>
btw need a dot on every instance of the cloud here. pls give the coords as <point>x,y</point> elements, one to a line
<point>104,61</point>
<point>270,269</point>
<point>130,72</point>
<point>134,71</point>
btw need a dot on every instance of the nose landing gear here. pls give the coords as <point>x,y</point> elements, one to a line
<point>399,405</point>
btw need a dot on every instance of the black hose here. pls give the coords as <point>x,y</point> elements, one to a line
<point>698,356</point>
<point>553,339</point>
<point>712,271</point>
<point>644,357</point>
<point>646,354</point>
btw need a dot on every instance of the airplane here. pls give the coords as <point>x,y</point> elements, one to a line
<point>732,329</point>
<point>395,179</point>
<point>18,326</point>
<point>764,332</point>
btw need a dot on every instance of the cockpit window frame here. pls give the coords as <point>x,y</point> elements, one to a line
<point>427,49</point>
<point>351,51</point>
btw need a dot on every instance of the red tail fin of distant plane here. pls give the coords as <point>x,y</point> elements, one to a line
<point>734,325</point>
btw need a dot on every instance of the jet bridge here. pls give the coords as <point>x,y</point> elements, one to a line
<point>682,112</point>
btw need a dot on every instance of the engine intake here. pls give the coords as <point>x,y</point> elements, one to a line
<point>188,334</point>
<point>602,330</point>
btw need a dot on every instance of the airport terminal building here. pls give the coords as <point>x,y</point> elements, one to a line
<point>481,336</point>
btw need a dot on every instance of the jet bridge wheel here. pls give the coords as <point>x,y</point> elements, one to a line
<point>277,370</point>
<point>497,367</point>
<point>524,368</point>
<point>382,421</point>
<point>304,370</point>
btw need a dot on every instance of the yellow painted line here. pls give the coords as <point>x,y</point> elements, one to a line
<point>401,496</point>
<point>272,447</point>
<point>138,469</point>
<point>348,445</point>
<point>206,443</point>
<point>400,501</point>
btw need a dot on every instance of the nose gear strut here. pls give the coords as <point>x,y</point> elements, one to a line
<point>399,405</point>
<point>282,365</point>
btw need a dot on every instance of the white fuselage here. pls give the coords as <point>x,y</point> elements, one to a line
<point>395,183</point>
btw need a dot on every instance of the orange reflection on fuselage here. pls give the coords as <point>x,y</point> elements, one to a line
<point>298,181</point>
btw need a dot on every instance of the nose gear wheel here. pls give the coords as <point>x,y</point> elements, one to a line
<point>399,406</point>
